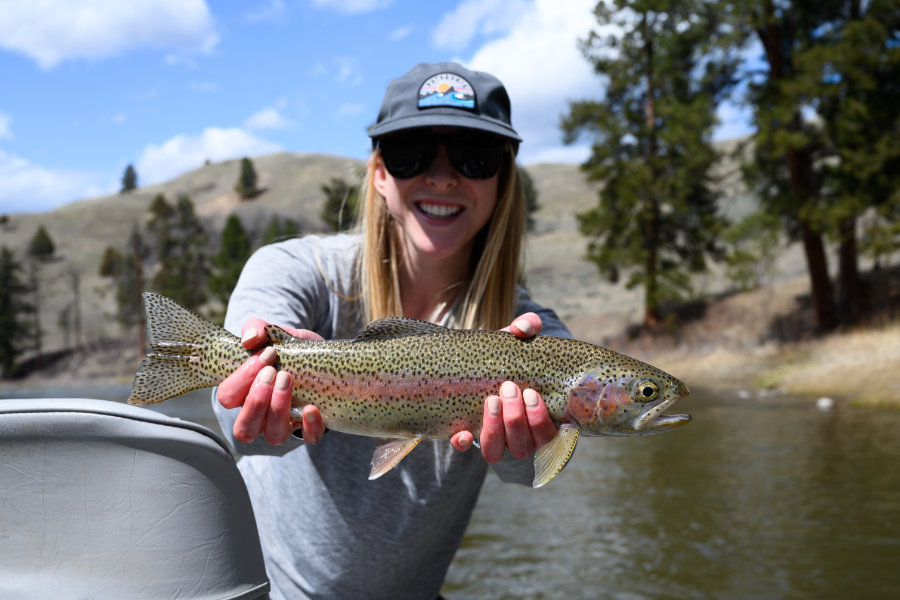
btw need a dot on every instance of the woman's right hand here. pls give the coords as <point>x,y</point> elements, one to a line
<point>264,394</point>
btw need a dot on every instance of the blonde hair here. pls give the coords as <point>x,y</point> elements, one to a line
<point>488,299</point>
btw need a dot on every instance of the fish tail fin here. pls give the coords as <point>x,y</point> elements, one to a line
<point>174,365</point>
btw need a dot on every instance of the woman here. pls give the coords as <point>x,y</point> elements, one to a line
<point>442,222</point>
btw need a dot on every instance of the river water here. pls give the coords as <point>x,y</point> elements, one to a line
<point>755,499</point>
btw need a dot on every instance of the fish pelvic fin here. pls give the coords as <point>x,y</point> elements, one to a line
<point>172,367</point>
<point>550,458</point>
<point>388,455</point>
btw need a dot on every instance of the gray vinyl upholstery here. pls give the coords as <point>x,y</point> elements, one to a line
<point>104,500</point>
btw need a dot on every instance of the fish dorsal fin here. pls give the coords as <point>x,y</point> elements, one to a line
<point>386,456</point>
<point>277,335</point>
<point>395,327</point>
<point>550,458</point>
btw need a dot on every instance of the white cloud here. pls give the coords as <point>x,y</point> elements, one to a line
<point>5,131</point>
<point>52,31</point>
<point>28,187</point>
<point>539,63</point>
<point>185,152</point>
<point>456,29</point>
<point>351,7</point>
<point>267,118</point>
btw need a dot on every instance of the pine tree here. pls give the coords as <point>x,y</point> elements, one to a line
<point>785,170</point>
<point>849,73</point>
<point>341,200</point>
<point>41,246</point>
<point>278,230</point>
<point>656,215</point>
<point>246,185</point>
<point>129,180</point>
<point>227,264</point>
<point>182,257</point>
<point>14,309</point>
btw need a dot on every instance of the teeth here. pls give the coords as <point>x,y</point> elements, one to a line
<point>439,210</point>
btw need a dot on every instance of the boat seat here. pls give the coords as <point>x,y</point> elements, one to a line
<point>101,499</point>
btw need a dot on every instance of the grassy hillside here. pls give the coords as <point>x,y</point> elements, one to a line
<point>725,329</point>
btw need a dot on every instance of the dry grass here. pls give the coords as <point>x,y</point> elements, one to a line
<point>861,367</point>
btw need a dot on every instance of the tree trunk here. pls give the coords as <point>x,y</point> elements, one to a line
<point>799,163</point>
<point>137,250</point>
<point>651,206</point>
<point>851,292</point>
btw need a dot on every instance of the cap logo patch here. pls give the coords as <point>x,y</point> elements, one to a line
<point>447,89</point>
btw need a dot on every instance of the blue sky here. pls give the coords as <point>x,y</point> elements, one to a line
<point>89,86</point>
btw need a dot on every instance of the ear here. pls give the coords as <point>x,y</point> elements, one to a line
<point>379,175</point>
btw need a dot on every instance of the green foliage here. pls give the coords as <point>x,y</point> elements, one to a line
<point>41,246</point>
<point>246,185</point>
<point>227,264</point>
<point>14,309</point>
<point>752,249</point>
<point>180,250</point>
<point>827,146</point>
<point>279,229</point>
<point>125,270</point>
<point>129,180</point>
<point>341,200</point>
<point>656,215</point>
<point>112,263</point>
<point>881,232</point>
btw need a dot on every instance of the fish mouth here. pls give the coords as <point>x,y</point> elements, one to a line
<point>654,421</point>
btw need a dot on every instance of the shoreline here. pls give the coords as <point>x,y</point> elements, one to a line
<point>858,368</point>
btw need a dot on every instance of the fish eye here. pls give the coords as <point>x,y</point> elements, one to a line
<point>647,391</point>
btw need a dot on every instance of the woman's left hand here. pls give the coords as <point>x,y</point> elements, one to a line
<point>516,419</point>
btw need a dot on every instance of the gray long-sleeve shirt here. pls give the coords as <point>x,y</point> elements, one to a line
<point>326,530</point>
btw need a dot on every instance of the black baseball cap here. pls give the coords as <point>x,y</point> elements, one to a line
<point>445,95</point>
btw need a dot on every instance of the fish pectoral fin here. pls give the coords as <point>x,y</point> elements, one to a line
<point>550,458</point>
<point>387,455</point>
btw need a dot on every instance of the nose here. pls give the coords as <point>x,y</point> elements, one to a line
<point>441,173</point>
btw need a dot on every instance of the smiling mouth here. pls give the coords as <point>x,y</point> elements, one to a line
<point>439,211</point>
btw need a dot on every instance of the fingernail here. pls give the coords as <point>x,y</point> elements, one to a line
<point>464,442</point>
<point>509,390</point>
<point>524,325</point>
<point>267,375</point>
<point>530,397</point>
<point>282,380</point>
<point>493,405</point>
<point>249,334</point>
<point>268,355</point>
<point>311,417</point>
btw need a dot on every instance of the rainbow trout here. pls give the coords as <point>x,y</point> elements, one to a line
<point>409,380</point>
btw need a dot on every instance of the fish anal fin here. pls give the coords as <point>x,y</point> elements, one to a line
<point>389,454</point>
<point>395,327</point>
<point>550,458</point>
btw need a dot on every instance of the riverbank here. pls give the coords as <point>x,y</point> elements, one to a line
<point>858,367</point>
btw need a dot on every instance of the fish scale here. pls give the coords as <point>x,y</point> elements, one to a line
<point>411,380</point>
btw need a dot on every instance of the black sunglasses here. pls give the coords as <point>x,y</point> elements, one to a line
<point>475,156</point>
